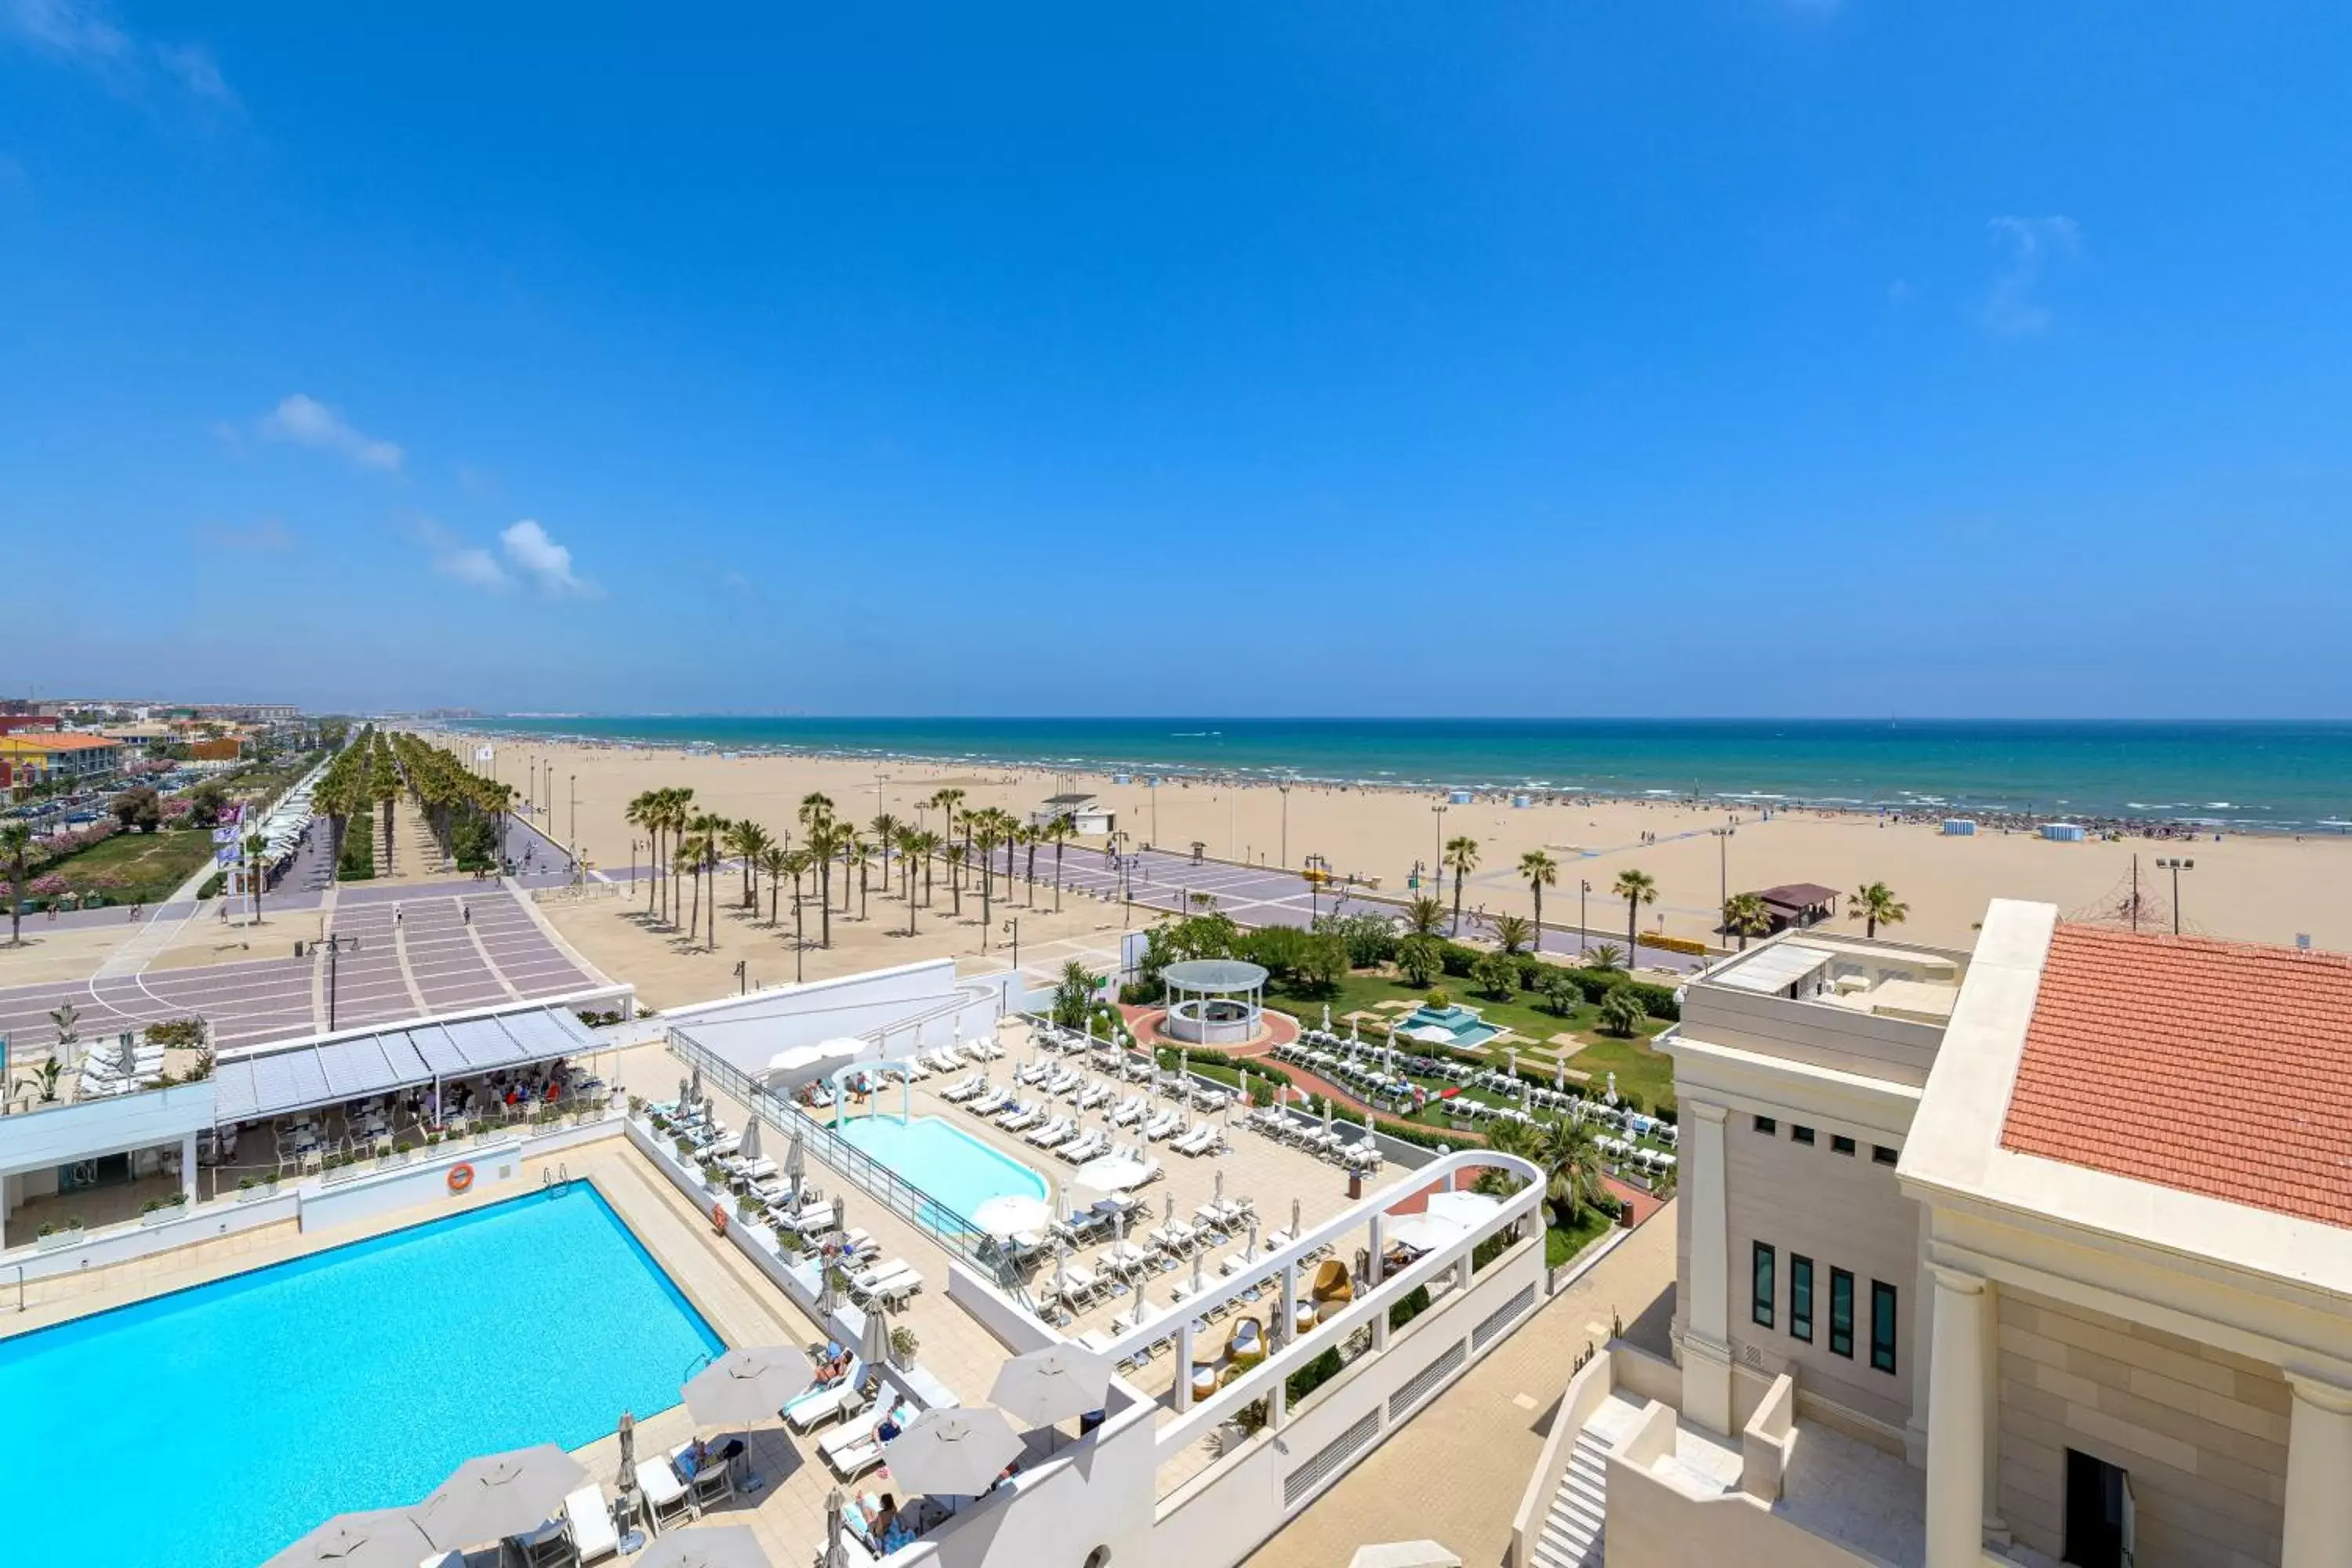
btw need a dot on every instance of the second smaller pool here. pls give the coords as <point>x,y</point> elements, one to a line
<point>948,1164</point>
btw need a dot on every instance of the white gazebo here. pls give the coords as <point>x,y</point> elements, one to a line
<point>1213,1001</point>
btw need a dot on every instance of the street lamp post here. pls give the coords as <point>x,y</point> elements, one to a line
<point>334,945</point>
<point>1285,852</point>
<point>2175,865</point>
<point>1722,866</point>
<point>1013,926</point>
<point>1437,865</point>
<point>1583,891</point>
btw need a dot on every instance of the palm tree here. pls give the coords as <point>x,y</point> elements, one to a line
<point>946,800</point>
<point>979,830</point>
<point>883,831</point>
<point>776,860</point>
<point>1461,858</point>
<point>1568,1152</point>
<point>254,844</point>
<point>1621,1011</point>
<point>1032,836</point>
<point>1744,916</point>
<point>15,842</point>
<point>645,811</point>
<point>925,846</point>
<point>1513,933</point>
<point>797,864</point>
<point>1541,871</point>
<point>749,841</point>
<point>1424,916</point>
<point>1058,833</point>
<point>1877,905</point>
<point>858,853</point>
<point>709,830</point>
<point>824,839</point>
<point>687,852</point>
<point>1604,956</point>
<point>1636,888</point>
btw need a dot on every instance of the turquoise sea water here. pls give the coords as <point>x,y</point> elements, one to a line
<point>943,1160</point>
<point>2276,776</point>
<point>210,1428</point>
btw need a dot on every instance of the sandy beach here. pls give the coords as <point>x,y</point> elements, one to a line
<point>2264,889</point>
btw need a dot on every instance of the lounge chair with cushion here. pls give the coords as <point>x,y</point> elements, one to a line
<point>1331,1283</point>
<point>589,1522</point>
<point>818,1406</point>
<point>667,1500</point>
<point>715,1482</point>
<point>1245,1346</point>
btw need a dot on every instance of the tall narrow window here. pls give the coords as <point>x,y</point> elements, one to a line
<point>1882,1326</point>
<point>1801,1297</point>
<point>1760,1309</point>
<point>1841,1314</point>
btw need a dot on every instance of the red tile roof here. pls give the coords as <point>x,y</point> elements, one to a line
<point>2209,1066</point>
<point>22,741</point>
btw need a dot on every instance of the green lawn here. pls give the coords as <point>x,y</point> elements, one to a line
<point>1640,1070</point>
<point>136,868</point>
<point>1559,1246</point>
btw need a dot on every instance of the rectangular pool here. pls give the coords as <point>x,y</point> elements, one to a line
<point>953,1167</point>
<point>210,1428</point>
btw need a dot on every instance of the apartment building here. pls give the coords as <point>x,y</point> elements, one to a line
<point>2037,1254</point>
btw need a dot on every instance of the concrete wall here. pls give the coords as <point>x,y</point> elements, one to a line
<point>1652,1525</point>
<point>421,1181</point>
<point>2203,1433</point>
<point>1095,1493</point>
<point>1819,1033</point>
<point>1842,1211</point>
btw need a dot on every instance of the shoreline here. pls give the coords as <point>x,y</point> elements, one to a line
<point>1913,810</point>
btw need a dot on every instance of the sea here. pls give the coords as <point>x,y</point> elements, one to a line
<point>2281,777</point>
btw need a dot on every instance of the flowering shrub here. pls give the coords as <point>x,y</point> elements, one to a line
<point>49,885</point>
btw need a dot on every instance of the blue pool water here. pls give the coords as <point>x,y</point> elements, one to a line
<point>1462,1022</point>
<point>943,1160</point>
<point>211,1427</point>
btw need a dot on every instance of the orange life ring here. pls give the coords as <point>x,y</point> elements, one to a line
<point>461,1177</point>
<point>719,1217</point>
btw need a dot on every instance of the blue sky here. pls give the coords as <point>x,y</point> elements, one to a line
<point>1755,356</point>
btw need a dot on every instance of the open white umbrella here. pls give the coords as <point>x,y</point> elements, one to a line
<point>1012,1214</point>
<point>1050,1384</point>
<point>497,1496</point>
<point>1464,1209</point>
<point>383,1538</point>
<point>708,1546</point>
<point>954,1452</point>
<point>746,1387</point>
<point>1113,1173</point>
<point>1421,1232</point>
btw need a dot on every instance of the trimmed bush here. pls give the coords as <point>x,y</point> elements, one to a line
<point>1313,1376</point>
<point>1411,1307</point>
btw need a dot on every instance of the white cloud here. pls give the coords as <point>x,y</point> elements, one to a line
<point>194,66</point>
<point>2030,244</point>
<point>306,422</point>
<point>545,562</point>
<point>472,566</point>
<point>84,34</point>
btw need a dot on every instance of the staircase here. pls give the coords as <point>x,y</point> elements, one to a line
<point>1572,1528</point>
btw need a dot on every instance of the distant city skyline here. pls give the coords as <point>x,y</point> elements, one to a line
<point>1769,357</point>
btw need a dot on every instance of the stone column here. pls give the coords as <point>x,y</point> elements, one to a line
<point>1372,1269</point>
<point>2318,1532</point>
<point>1955,1423</point>
<point>1707,1317</point>
<point>188,1167</point>
<point>1184,1365</point>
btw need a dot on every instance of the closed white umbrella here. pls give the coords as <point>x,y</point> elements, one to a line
<point>836,1555</point>
<point>497,1496</point>
<point>954,1452</point>
<point>383,1538</point>
<point>797,1164</point>
<point>874,1343</point>
<point>1219,1197</point>
<point>748,1150</point>
<point>708,1546</point>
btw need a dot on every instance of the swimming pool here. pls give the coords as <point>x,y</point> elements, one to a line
<point>1462,1024</point>
<point>948,1164</point>
<point>210,1428</point>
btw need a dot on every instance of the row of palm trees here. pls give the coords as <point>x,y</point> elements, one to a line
<point>699,843</point>
<point>1744,914</point>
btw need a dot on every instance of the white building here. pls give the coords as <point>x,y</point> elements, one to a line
<point>2038,1254</point>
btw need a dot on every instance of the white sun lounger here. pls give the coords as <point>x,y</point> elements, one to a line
<point>989,1104</point>
<point>1058,1130</point>
<point>667,1497</point>
<point>1019,1118</point>
<point>819,1405</point>
<point>589,1524</point>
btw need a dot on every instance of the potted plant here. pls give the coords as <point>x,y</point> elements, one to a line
<point>903,1346</point>
<point>747,1206</point>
